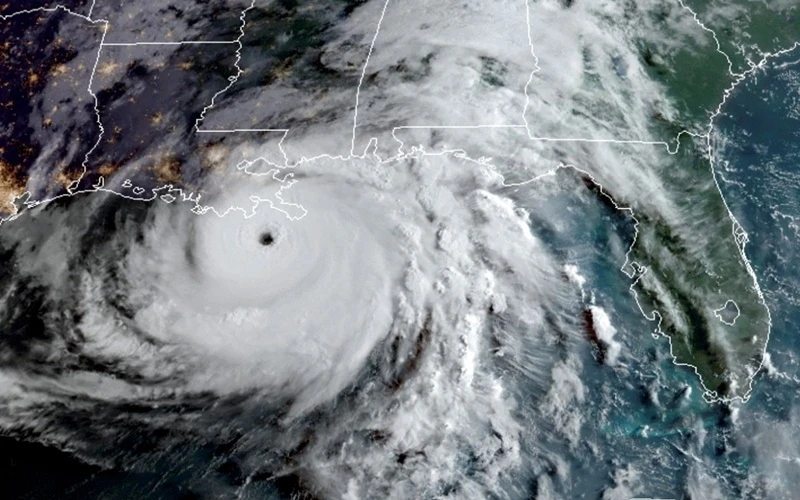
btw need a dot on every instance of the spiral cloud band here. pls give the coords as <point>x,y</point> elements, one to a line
<point>399,275</point>
<point>380,249</point>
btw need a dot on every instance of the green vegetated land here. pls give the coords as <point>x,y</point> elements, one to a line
<point>693,258</point>
<point>677,52</point>
<point>749,28</point>
<point>683,56</point>
<point>694,266</point>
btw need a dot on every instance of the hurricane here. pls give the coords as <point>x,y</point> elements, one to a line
<point>397,250</point>
<point>433,303</point>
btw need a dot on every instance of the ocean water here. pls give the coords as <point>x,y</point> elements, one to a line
<point>616,421</point>
<point>580,418</point>
<point>758,148</point>
<point>644,427</point>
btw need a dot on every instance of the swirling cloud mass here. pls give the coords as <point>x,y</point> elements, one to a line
<point>373,313</point>
<point>379,249</point>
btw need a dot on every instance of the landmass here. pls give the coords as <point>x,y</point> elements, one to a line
<point>161,101</point>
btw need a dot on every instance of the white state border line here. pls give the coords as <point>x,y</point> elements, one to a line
<point>85,163</point>
<point>233,78</point>
<point>5,17</point>
<point>71,189</point>
<point>741,239</point>
<point>363,75</point>
<point>670,149</point>
<point>183,42</point>
<point>235,130</point>
<point>740,236</point>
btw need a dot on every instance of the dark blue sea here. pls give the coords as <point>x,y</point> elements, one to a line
<point>642,429</point>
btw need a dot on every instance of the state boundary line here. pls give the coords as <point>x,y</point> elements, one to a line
<point>738,232</point>
<point>183,42</point>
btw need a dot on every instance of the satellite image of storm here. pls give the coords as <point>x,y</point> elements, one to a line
<point>400,249</point>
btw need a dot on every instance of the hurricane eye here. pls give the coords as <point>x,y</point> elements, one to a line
<point>266,239</point>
